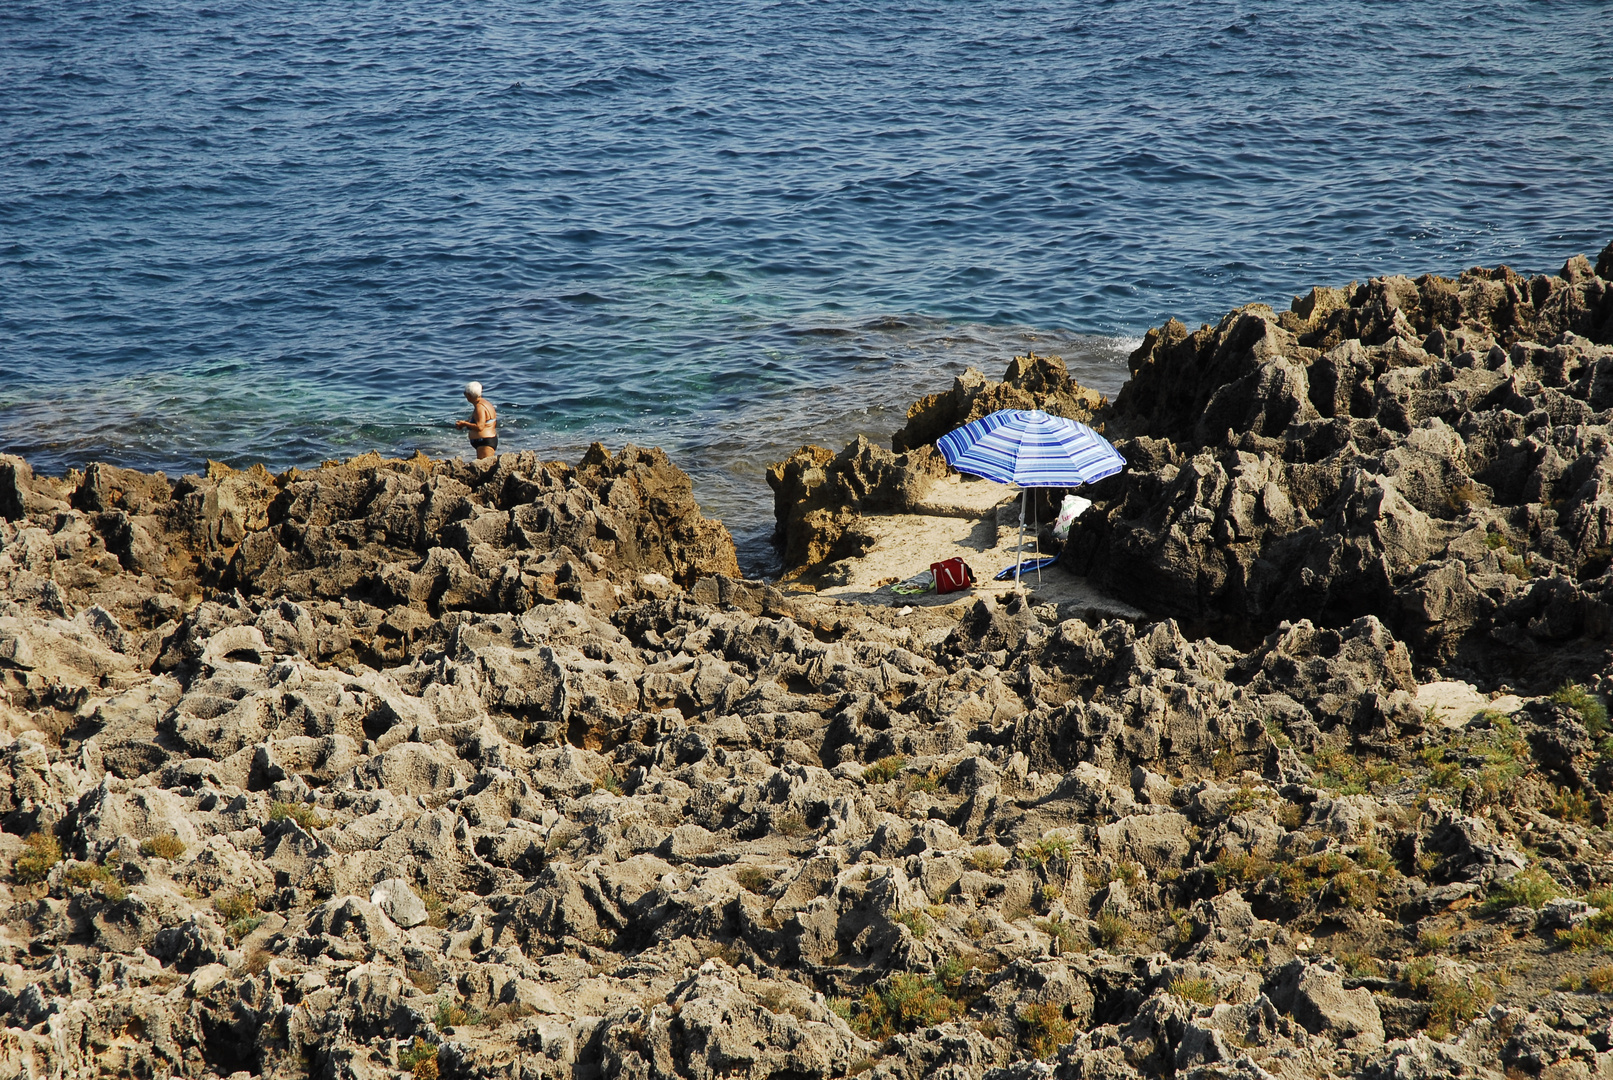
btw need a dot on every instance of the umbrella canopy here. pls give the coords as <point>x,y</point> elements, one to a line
<point>1031,449</point>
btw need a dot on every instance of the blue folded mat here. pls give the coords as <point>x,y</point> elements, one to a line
<point>1029,566</point>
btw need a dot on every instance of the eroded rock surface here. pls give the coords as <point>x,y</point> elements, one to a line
<point>1432,452</point>
<point>499,770</point>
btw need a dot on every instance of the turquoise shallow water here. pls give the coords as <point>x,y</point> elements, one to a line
<point>286,231</point>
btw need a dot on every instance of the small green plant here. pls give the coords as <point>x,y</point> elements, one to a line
<point>420,1059</point>
<point>1433,941</point>
<point>949,975</point>
<point>1339,770</point>
<point>916,921</point>
<point>609,782</point>
<point>903,1002</point>
<point>1201,991</point>
<point>1496,542</point>
<point>841,1007</point>
<point>1599,980</point>
<point>1361,965</point>
<point>752,879</point>
<point>450,1014</point>
<point>1517,566</point>
<point>163,847</point>
<point>1052,846</point>
<point>1245,798</point>
<point>792,824</point>
<point>1354,889</point>
<point>437,913</point>
<point>1570,805</point>
<point>236,904</point>
<point>1110,927</point>
<point>1046,1028</point>
<point>1592,713</point>
<point>306,816</point>
<point>239,909</point>
<point>1464,494</point>
<point>1066,936</point>
<point>41,851</point>
<point>1274,731</point>
<point>85,875</point>
<point>884,770</point>
<point>1128,874</point>
<point>1451,1002</point>
<point>986,860</point>
<point>1530,888</point>
<point>1594,933</point>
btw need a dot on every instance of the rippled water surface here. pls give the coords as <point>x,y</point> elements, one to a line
<point>286,231</point>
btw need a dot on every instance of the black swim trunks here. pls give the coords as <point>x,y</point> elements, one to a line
<point>491,444</point>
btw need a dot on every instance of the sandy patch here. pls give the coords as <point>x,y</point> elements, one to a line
<point>1456,703</point>
<point>906,544</point>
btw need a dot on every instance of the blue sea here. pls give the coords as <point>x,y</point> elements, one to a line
<point>289,231</point>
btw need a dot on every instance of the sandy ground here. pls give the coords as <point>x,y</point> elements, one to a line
<point>1455,703</point>
<point>964,523</point>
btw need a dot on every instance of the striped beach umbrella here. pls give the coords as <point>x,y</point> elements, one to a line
<point>1032,449</point>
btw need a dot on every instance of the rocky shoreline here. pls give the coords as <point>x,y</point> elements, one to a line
<point>498,769</point>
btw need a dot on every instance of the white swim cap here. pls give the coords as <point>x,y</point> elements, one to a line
<point>473,389</point>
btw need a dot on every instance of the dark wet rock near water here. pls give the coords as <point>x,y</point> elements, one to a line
<point>499,770</point>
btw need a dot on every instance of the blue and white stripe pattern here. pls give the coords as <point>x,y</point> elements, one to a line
<point>1031,449</point>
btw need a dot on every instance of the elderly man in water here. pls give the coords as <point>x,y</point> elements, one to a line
<point>483,424</point>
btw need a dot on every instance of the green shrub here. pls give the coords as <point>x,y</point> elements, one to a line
<point>792,824</point>
<point>306,816</point>
<point>1530,888</point>
<point>236,904</point>
<point>41,851</point>
<point>84,875</point>
<point>1128,873</point>
<point>1111,927</point>
<point>1433,941</point>
<point>1353,889</point>
<point>949,975</point>
<point>1067,937</point>
<point>1049,847</point>
<point>1339,770</point>
<point>985,860</point>
<point>1570,805</point>
<point>1599,980</point>
<point>916,921</point>
<point>752,879</point>
<point>1201,991</point>
<point>901,1003</point>
<point>437,913</point>
<point>884,770</point>
<point>420,1059</point>
<point>1361,964</point>
<point>1589,707</point>
<point>1451,1003</point>
<point>163,847</point>
<point>1046,1028</point>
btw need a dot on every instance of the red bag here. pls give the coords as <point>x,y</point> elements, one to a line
<point>952,575</point>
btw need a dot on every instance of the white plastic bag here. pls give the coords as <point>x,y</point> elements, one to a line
<point>1072,507</point>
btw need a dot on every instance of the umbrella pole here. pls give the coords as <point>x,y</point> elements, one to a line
<point>1019,552</point>
<point>1036,538</point>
